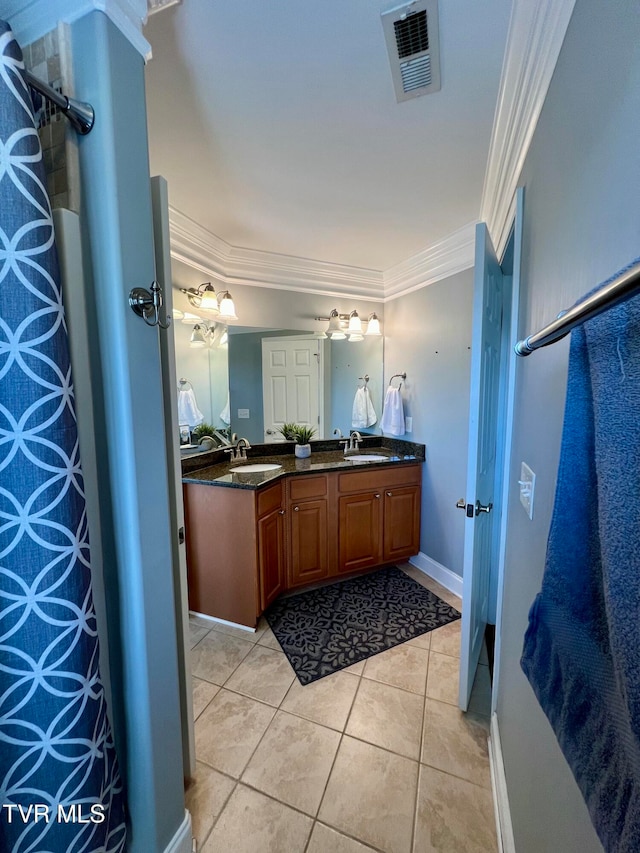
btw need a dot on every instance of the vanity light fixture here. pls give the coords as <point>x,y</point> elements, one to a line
<point>354,330</point>
<point>342,326</point>
<point>209,300</point>
<point>197,339</point>
<point>335,329</point>
<point>207,334</point>
<point>203,297</point>
<point>227,308</point>
<point>373,326</point>
<point>190,319</point>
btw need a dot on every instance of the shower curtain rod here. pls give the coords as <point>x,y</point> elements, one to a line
<point>623,287</point>
<point>81,115</point>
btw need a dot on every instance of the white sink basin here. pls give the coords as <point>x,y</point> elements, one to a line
<point>255,468</point>
<point>369,457</point>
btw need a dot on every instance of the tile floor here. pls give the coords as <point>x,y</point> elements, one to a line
<point>376,757</point>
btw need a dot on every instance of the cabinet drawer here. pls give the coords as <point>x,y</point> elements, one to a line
<point>269,499</point>
<point>360,481</point>
<point>301,488</point>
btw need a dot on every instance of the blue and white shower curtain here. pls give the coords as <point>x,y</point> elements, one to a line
<point>60,789</point>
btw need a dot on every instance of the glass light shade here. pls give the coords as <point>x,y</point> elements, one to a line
<point>227,308</point>
<point>334,329</point>
<point>356,336</point>
<point>190,319</point>
<point>197,337</point>
<point>355,324</point>
<point>208,299</point>
<point>224,340</point>
<point>373,326</point>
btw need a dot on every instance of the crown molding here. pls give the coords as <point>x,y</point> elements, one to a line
<point>198,248</point>
<point>449,256</point>
<point>535,37</point>
<point>230,265</point>
<point>32,19</point>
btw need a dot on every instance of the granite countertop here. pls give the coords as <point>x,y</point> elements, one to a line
<point>213,467</point>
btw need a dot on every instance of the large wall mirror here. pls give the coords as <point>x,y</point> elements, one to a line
<point>227,374</point>
<point>227,377</point>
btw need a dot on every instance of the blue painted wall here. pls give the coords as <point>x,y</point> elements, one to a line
<point>118,245</point>
<point>428,335</point>
<point>581,224</point>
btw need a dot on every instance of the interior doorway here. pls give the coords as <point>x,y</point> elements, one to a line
<point>495,317</point>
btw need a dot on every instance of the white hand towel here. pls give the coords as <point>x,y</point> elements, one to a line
<point>359,411</point>
<point>225,414</point>
<point>392,420</point>
<point>371,412</point>
<point>188,411</point>
<point>363,414</point>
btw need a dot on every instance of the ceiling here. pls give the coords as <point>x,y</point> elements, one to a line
<point>277,127</point>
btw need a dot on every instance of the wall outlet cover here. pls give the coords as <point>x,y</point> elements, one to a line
<point>408,424</point>
<point>243,413</point>
<point>527,483</point>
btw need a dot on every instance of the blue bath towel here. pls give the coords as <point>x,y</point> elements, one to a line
<point>582,648</point>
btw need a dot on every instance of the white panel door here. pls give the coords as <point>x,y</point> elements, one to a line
<point>481,470</point>
<point>290,384</point>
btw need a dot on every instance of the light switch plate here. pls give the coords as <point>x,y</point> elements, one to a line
<point>527,483</point>
<point>408,424</point>
<point>243,413</point>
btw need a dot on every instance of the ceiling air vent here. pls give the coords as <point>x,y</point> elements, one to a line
<point>411,33</point>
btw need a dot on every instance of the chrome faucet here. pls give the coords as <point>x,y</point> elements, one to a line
<point>337,431</point>
<point>355,439</point>
<point>351,443</point>
<point>218,439</point>
<point>238,452</point>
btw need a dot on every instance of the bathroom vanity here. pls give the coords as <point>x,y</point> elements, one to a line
<point>252,536</point>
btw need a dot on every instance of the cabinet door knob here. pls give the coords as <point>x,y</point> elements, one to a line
<point>389,494</point>
<point>296,509</point>
<point>281,512</point>
<point>377,496</point>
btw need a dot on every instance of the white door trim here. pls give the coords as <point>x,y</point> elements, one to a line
<point>182,841</point>
<point>507,426</point>
<point>504,826</point>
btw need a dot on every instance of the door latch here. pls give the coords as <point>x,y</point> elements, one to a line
<point>181,536</point>
<point>468,508</point>
<point>480,508</point>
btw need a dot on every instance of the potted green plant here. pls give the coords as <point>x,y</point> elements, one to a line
<point>200,432</point>
<point>302,435</point>
<point>288,431</point>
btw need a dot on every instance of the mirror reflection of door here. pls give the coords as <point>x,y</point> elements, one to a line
<point>291,386</point>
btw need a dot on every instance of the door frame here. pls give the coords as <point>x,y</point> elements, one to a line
<point>508,383</point>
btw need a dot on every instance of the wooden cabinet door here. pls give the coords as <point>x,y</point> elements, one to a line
<point>271,555</point>
<point>401,522</point>
<point>308,557</point>
<point>360,531</point>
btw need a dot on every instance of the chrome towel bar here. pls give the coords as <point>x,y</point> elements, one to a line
<point>622,287</point>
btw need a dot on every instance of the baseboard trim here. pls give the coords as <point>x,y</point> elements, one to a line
<point>182,841</point>
<point>504,827</point>
<point>448,579</point>
<point>216,621</point>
